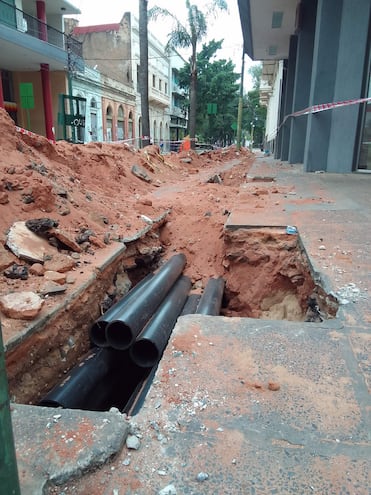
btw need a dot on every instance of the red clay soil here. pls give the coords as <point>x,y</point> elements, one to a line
<point>92,186</point>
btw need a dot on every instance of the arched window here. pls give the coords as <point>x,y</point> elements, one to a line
<point>93,131</point>
<point>154,131</point>
<point>109,116</point>
<point>130,125</point>
<point>120,123</point>
<point>140,132</point>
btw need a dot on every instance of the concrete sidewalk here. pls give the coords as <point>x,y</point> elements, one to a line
<point>238,405</point>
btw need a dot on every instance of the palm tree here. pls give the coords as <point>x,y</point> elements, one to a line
<point>186,35</point>
<point>143,70</point>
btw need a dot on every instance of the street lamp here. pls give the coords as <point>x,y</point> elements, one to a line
<point>251,134</point>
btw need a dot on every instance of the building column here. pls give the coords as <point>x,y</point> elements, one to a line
<point>303,71</point>
<point>278,140</point>
<point>289,90</point>
<point>41,16</point>
<point>351,79</point>
<point>47,99</point>
<point>325,61</point>
<point>1,92</point>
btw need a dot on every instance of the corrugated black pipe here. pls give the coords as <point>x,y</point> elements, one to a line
<point>84,386</point>
<point>98,330</point>
<point>152,340</point>
<point>123,330</point>
<point>212,297</point>
<point>191,304</point>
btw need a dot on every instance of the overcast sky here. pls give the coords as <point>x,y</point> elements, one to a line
<point>226,26</point>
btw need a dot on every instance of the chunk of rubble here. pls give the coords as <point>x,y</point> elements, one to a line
<point>41,225</point>
<point>66,239</point>
<point>50,288</point>
<point>6,259</point>
<point>24,305</point>
<point>140,173</point>
<point>58,278</point>
<point>27,245</point>
<point>17,271</point>
<point>61,263</point>
<point>37,269</point>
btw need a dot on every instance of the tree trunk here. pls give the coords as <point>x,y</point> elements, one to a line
<point>143,70</point>
<point>193,97</point>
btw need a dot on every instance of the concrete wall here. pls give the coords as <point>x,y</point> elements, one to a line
<point>110,51</point>
<point>329,64</point>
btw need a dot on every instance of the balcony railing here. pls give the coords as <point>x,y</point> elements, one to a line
<point>25,23</point>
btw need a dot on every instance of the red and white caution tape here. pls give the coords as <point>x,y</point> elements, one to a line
<point>325,106</point>
<point>21,130</point>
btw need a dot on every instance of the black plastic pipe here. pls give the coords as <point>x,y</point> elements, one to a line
<point>152,340</point>
<point>98,330</point>
<point>80,387</point>
<point>122,331</point>
<point>105,378</point>
<point>212,297</point>
<point>191,304</point>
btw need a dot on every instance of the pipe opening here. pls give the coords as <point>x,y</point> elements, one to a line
<point>119,335</point>
<point>98,333</point>
<point>144,353</point>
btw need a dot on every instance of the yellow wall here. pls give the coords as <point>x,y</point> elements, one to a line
<point>58,83</point>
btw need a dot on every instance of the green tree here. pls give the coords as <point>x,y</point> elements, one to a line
<point>188,35</point>
<point>217,92</point>
<point>255,72</point>
<point>254,115</point>
<point>143,69</point>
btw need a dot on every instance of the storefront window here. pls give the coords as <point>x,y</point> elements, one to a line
<point>365,152</point>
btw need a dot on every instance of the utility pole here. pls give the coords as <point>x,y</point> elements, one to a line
<point>9,481</point>
<point>240,104</point>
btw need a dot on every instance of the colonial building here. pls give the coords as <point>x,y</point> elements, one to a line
<point>81,83</point>
<point>107,49</point>
<point>35,58</point>
<point>319,96</point>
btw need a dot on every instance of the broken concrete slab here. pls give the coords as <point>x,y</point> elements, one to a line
<point>68,442</point>
<point>25,305</point>
<point>27,245</point>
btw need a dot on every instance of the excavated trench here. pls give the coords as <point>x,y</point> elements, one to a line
<point>266,274</point>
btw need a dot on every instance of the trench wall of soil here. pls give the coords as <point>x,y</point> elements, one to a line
<point>54,345</point>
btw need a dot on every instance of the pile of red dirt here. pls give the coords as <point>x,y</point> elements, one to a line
<point>112,189</point>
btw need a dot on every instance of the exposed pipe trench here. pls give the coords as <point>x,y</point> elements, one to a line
<point>191,304</point>
<point>212,297</point>
<point>151,341</point>
<point>122,331</point>
<point>98,330</point>
<point>111,377</point>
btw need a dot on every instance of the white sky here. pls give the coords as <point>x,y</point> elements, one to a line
<point>226,26</point>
